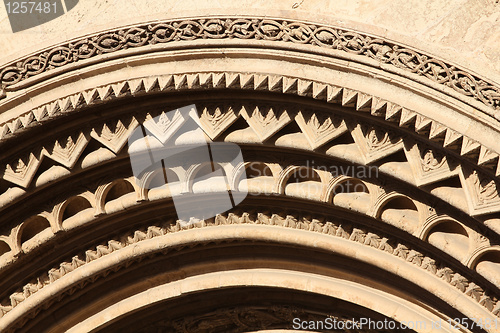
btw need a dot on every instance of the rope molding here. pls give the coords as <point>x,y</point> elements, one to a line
<point>297,32</point>
<point>342,230</point>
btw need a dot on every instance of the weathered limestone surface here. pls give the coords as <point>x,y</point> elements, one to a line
<point>467,32</point>
<point>87,245</point>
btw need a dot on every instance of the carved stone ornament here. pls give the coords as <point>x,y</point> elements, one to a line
<point>402,251</point>
<point>393,200</point>
<point>428,165</point>
<point>296,32</point>
<point>315,134</point>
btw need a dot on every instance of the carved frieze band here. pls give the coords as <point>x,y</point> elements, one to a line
<point>410,119</point>
<point>359,191</point>
<point>318,129</point>
<point>342,229</point>
<point>297,32</point>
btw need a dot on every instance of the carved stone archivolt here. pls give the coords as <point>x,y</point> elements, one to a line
<point>428,128</point>
<point>329,37</point>
<point>405,253</point>
<point>425,164</point>
<point>420,197</point>
<point>363,193</point>
<point>360,141</point>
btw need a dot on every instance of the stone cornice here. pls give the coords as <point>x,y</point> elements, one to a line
<point>397,57</point>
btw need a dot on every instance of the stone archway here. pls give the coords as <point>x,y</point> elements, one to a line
<point>417,241</point>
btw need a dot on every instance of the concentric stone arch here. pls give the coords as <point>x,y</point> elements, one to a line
<point>428,218</point>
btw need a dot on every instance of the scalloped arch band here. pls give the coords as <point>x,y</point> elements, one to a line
<point>414,261</point>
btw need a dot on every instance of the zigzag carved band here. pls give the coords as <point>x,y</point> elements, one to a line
<point>282,30</point>
<point>21,168</point>
<point>480,154</point>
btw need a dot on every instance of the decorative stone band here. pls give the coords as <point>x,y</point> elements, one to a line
<point>319,129</point>
<point>430,129</point>
<point>378,199</point>
<point>346,231</point>
<point>399,56</point>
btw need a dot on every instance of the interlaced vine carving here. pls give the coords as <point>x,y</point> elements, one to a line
<point>257,29</point>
